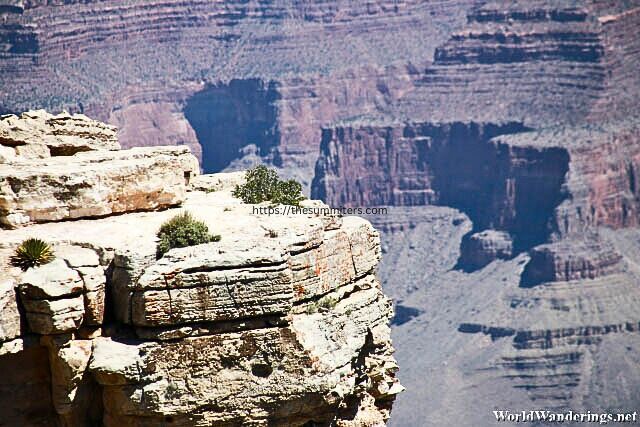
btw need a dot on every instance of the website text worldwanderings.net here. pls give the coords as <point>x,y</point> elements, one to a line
<point>317,210</point>
<point>563,417</point>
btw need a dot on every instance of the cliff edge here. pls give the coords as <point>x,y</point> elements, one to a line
<point>281,322</point>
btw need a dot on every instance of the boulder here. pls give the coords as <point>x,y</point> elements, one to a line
<point>38,134</point>
<point>224,181</point>
<point>52,298</point>
<point>54,317</point>
<point>92,184</point>
<point>115,363</point>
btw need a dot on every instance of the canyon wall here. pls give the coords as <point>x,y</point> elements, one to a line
<point>516,96</point>
<point>502,135</point>
<point>139,64</point>
<point>507,187</point>
<point>525,123</point>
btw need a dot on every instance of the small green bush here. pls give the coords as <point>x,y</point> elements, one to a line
<point>181,231</point>
<point>288,193</point>
<point>263,184</point>
<point>327,303</point>
<point>31,253</point>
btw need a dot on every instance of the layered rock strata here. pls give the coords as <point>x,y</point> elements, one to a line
<point>163,72</point>
<point>586,257</point>
<point>552,68</point>
<point>479,249</point>
<point>281,322</point>
<point>505,186</point>
<point>92,179</point>
<point>40,134</point>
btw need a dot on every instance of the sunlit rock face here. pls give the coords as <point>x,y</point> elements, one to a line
<point>281,322</point>
<point>503,133</point>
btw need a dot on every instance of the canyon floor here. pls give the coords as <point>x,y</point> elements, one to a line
<point>456,374</point>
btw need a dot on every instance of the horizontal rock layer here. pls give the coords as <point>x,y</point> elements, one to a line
<point>572,259</point>
<point>40,134</point>
<point>479,249</point>
<point>281,322</point>
<point>93,184</point>
<point>509,187</point>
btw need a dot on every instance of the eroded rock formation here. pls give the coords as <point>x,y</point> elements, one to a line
<point>281,322</point>
<point>497,120</point>
<point>157,70</point>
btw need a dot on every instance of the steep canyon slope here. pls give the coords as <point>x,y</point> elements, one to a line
<point>527,124</point>
<point>503,134</point>
<point>160,70</point>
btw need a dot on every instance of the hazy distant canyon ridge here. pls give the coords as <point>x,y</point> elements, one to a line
<point>503,134</point>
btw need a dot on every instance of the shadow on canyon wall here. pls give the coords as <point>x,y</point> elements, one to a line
<point>229,117</point>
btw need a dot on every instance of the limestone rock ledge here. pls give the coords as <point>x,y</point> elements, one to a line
<point>281,322</point>
<point>38,134</point>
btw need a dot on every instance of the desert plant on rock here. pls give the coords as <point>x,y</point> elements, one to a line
<point>181,231</point>
<point>32,253</point>
<point>288,193</point>
<point>263,184</point>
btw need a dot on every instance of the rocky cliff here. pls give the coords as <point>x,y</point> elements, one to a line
<point>503,134</point>
<point>543,160</point>
<point>281,322</point>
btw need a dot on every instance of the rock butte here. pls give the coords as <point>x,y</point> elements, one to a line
<point>282,322</point>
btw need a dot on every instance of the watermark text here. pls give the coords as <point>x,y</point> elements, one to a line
<point>562,417</point>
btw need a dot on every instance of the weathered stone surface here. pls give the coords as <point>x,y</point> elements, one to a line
<point>481,248</point>
<point>115,363</point>
<point>93,184</point>
<point>236,369</point>
<point>281,322</point>
<point>54,317</point>
<point>50,281</point>
<point>203,284</point>
<point>244,279</point>
<point>77,256</point>
<point>52,298</point>
<point>9,314</point>
<point>94,292</point>
<point>68,360</point>
<point>55,135</point>
<point>86,262</point>
<point>7,154</point>
<point>218,181</point>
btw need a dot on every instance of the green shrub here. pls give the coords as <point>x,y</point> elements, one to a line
<point>31,253</point>
<point>327,303</point>
<point>263,184</point>
<point>288,193</point>
<point>312,308</point>
<point>181,231</point>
